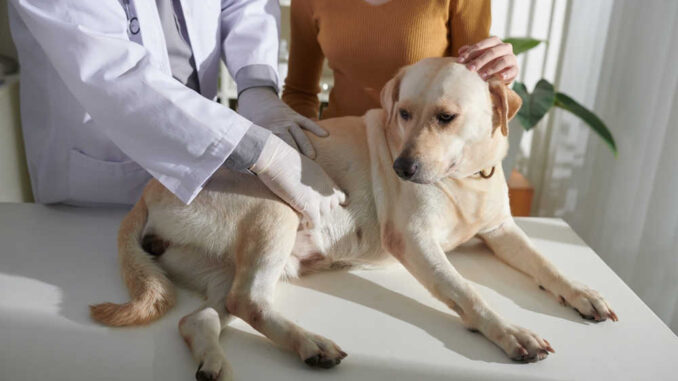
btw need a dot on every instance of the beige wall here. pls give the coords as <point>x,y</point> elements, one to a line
<point>14,181</point>
<point>6,45</point>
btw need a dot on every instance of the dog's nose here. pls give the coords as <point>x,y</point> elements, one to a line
<point>406,168</point>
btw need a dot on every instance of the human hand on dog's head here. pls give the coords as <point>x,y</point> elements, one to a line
<point>490,57</point>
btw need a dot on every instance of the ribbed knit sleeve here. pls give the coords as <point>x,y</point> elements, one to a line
<point>306,60</point>
<point>470,22</point>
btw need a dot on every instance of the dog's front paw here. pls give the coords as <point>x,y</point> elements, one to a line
<point>523,345</point>
<point>214,367</point>
<point>589,303</point>
<point>317,351</point>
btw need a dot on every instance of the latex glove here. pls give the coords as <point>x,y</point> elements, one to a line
<point>262,106</point>
<point>298,180</point>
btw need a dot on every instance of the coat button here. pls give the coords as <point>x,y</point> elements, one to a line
<point>134,26</point>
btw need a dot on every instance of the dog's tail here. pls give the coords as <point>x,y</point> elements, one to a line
<point>151,291</point>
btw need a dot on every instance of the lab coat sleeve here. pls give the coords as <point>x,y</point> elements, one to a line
<point>249,39</point>
<point>177,135</point>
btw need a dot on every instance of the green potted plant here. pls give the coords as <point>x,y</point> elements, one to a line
<point>539,102</point>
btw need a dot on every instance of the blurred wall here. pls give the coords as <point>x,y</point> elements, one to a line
<point>14,180</point>
<point>6,45</point>
<point>620,60</point>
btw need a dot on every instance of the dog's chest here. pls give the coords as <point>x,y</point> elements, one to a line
<point>470,206</point>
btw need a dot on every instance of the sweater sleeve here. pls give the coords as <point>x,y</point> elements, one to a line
<point>470,22</point>
<point>306,60</point>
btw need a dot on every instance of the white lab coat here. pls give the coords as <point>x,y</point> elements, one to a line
<point>100,109</point>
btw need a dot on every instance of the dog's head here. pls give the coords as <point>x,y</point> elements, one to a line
<point>447,120</point>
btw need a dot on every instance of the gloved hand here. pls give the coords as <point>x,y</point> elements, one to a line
<point>262,106</point>
<point>297,180</point>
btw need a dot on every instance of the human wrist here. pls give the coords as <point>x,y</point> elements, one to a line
<point>257,94</point>
<point>256,76</point>
<point>274,152</point>
<point>248,150</point>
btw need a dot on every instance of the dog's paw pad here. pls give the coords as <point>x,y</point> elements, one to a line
<point>321,361</point>
<point>523,345</point>
<point>321,352</point>
<point>527,357</point>
<point>214,369</point>
<point>590,305</point>
<point>206,375</point>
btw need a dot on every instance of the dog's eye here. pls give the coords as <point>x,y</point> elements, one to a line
<point>445,118</point>
<point>404,114</point>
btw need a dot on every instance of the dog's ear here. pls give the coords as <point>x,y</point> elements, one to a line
<point>390,94</point>
<point>505,105</point>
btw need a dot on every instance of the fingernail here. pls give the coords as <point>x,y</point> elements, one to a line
<point>483,75</point>
<point>471,67</point>
<point>461,58</point>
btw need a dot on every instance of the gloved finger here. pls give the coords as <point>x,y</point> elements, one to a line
<point>308,124</point>
<point>303,142</point>
<point>341,197</point>
<point>287,138</point>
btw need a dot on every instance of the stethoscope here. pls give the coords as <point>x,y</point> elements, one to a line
<point>132,21</point>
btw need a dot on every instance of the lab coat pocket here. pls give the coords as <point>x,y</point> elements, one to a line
<point>99,181</point>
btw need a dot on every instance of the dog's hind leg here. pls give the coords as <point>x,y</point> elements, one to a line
<point>201,330</point>
<point>263,253</point>
<point>212,276</point>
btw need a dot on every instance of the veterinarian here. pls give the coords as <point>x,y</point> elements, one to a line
<point>112,90</point>
<point>367,42</point>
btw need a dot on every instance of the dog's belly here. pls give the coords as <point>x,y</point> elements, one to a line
<point>348,237</point>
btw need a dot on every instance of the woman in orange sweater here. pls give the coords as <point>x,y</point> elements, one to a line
<point>367,41</point>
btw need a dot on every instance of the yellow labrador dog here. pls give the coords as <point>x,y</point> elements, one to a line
<point>419,177</point>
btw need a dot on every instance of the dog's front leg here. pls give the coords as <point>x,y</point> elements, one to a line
<point>427,261</point>
<point>513,246</point>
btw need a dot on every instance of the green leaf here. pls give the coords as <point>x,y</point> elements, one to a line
<point>565,102</point>
<point>521,90</point>
<point>535,105</point>
<point>522,44</point>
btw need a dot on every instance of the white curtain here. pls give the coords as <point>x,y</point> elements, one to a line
<point>621,59</point>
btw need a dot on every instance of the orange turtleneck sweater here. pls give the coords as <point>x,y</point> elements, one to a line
<point>366,44</point>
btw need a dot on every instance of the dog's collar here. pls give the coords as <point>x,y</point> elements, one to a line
<point>485,176</point>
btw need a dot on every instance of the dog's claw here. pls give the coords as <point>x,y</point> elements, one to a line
<point>549,347</point>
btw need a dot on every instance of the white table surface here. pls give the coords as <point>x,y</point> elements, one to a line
<point>54,261</point>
